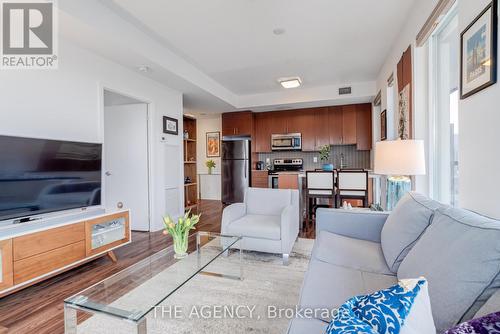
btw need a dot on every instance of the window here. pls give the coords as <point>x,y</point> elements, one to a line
<point>444,75</point>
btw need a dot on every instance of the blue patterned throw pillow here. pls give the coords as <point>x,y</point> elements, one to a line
<point>382,312</point>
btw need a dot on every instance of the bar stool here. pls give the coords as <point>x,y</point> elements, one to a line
<point>319,184</point>
<point>352,184</point>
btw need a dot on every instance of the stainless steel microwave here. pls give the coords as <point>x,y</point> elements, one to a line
<point>286,142</point>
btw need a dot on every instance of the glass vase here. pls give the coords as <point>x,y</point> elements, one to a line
<point>181,245</point>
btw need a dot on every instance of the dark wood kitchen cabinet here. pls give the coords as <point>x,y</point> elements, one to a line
<point>335,125</point>
<point>263,129</point>
<point>349,115</point>
<point>237,123</point>
<point>322,127</point>
<point>364,127</point>
<point>303,121</point>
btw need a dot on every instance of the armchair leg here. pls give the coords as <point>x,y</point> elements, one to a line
<point>286,258</point>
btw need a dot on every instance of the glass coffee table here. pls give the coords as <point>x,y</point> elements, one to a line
<point>133,293</point>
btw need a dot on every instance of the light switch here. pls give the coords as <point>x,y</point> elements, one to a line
<point>315,159</point>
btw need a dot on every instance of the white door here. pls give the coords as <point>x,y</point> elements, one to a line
<point>126,161</point>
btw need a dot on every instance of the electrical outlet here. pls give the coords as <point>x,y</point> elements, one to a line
<point>315,159</point>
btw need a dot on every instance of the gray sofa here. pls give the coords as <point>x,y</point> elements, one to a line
<point>358,252</point>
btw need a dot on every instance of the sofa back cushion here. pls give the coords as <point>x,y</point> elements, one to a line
<point>459,254</point>
<point>404,226</point>
<point>270,202</point>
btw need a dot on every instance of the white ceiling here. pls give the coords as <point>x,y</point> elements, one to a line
<point>222,54</point>
<point>326,42</point>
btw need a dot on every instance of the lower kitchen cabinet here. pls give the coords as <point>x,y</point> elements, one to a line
<point>260,179</point>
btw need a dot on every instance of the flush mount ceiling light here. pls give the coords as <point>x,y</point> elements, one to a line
<point>290,82</point>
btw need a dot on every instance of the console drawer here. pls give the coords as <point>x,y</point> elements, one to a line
<point>44,263</point>
<point>41,242</point>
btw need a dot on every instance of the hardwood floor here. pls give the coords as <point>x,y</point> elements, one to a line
<point>39,308</point>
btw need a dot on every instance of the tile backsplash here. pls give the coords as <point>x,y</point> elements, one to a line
<point>352,157</point>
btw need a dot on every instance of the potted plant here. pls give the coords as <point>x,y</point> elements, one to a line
<point>210,164</point>
<point>324,156</point>
<point>180,232</point>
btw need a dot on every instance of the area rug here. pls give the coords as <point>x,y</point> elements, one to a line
<point>261,303</point>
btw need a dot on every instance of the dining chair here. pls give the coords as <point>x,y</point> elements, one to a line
<point>319,184</point>
<point>352,184</point>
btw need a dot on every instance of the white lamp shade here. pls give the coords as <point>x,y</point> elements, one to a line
<point>400,157</point>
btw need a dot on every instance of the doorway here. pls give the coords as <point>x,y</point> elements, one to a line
<point>126,157</point>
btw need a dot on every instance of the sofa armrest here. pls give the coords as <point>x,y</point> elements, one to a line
<point>351,223</point>
<point>231,213</point>
<point>289,227</point>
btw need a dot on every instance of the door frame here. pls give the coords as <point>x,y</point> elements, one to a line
<point>149,123</point>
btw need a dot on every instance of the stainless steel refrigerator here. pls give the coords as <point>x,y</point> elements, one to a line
<point>236,167</point>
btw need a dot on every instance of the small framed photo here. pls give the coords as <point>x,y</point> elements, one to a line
<point>170,125</point>
<point>213,144</point>
<point>383,125</point>
<point>479,52</point>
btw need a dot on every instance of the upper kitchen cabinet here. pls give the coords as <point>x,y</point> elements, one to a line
<point>335,125</point>
<point>263,129</point>
<point>303,121</point>
<point>364,126</point>
<point>322,127</point>
<point>237,123</point>
<point>349,127</point>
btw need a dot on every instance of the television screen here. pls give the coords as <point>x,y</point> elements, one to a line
<point>39,176</point>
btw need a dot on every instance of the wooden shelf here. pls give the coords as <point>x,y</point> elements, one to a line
<point>190,140</point>
<point>190,165</point>
<point>189,162</point>
<point>189,184</point>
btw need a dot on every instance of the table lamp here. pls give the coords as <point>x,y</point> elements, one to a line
<point>399,159</point>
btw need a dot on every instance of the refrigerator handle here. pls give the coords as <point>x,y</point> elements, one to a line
<point>246,168</point>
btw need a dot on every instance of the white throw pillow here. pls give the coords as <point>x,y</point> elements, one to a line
<point>419,320</point>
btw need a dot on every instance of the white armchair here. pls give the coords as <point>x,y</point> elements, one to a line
<point>268,221</point>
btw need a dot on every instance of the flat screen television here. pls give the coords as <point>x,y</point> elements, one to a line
<point>39,176</point>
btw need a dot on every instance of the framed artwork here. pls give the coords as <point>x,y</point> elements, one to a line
<point>170,125</point>
<point>383,125</point>
<point>478,57</point>
<point>213,144</point>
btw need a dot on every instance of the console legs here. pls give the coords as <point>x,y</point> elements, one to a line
<point>112,256</point>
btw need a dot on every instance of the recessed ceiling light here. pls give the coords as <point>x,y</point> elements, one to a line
<point>290,82</point>
<point>279,31</point>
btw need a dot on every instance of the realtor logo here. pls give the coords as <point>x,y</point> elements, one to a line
<point>28,35</point>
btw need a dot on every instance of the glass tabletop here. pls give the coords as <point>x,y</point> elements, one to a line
<point>135,291</point>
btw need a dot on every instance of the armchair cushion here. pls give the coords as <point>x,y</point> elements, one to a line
<point>269,202</point>
<point>256,226</point>
<point>404,226</point>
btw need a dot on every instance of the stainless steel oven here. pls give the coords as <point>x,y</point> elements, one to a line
<point>286,142</point>
<point>273,181</point>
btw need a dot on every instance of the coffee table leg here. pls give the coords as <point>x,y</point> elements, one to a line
<point>142,327</point>
<point>241,264</point>
<point>70,324</point>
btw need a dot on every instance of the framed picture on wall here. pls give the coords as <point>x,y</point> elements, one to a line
<point>170,125</point>
<point>213,144</point>
<point>383,125</point>
<point>478,57</point>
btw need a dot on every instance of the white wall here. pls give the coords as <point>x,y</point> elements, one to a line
<point>210,185</point>
<point>479,119</point>
<point>67,104</point>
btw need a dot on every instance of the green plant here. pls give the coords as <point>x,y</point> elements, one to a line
<point>324,153</point>
<point>210,163</point>
<point>180,230</point>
